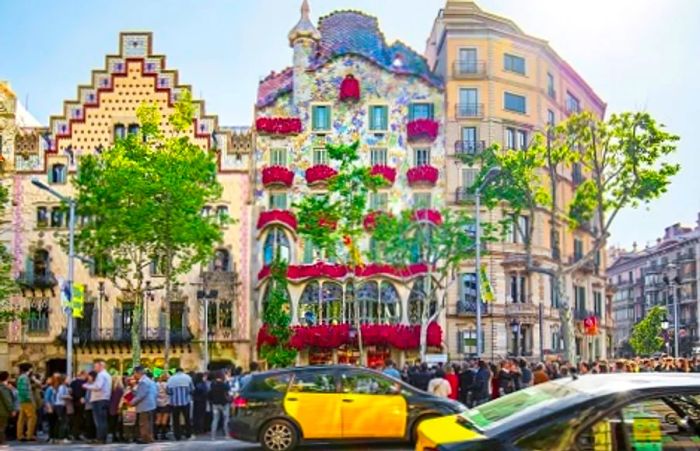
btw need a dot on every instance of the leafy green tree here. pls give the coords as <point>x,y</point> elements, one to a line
<point>143,198</point>
<point>402,240</point>
<point>646,336</point>
<point>277,318</point>
<point>615,164</point>
<point>333,221</point>
<point>8,285</point>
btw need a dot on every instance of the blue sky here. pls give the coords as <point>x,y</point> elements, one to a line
<point>637,54</point>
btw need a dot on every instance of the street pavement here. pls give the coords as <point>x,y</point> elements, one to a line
<point>198,445</point>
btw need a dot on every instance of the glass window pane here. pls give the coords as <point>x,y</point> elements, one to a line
<point>368,384</point>
<point>320,156</point>
<point>514,102</point>
<point>421,157</point>
<point>420,111</point>
<point>378,117</point>
<point>313,382</point>
<point>278,157</point>
<point>378,156</point>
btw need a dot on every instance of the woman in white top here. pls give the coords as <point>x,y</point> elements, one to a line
<point>439,386</point>
<point>162,408</point>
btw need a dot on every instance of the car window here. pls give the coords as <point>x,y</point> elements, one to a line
<point>277,383</point>
<point>313,382</point>
<point>486,416</point>
<point>663,423</point>
<point>367,383</point>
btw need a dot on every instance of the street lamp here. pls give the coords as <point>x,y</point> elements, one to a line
<point>205,297</point>
<point>71,264</point>
<point>515,326</point>
<point>488,178</point>
<point>671,278</point>
<point>664,327</point>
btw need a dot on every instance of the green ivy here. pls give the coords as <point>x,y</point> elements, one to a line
<point>277,318</point>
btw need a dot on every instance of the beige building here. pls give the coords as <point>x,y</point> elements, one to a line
<point>105,108</point>
<point>501,87</point>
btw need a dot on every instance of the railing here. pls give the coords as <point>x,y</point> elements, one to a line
<point>469,110</point>
<point>46,280</point>
<point>463,195</point>
<point>469,147</point>
<point>119,335</point>
<point>582,314</point>
<point>468,308</point>
<point>521,308</point>
<point>468,69</point>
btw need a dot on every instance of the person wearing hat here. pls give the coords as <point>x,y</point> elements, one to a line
<point>145,403</point>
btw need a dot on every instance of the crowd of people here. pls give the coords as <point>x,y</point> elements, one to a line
<point>99,407</point>
<point>477,381</point>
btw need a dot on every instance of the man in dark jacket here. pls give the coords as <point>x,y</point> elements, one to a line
<point>466,383</point>
<point>422,377</point>
<point>482,379</point>
<point>7,409</point>
<point>78,395</point>
<point>220,403</point>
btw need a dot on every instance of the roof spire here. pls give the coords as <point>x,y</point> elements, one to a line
<point>304,28</point>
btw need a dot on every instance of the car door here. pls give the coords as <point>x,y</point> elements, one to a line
<point>314,402</point>
<point>372,406</point>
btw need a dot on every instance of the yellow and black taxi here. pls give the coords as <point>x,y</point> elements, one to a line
<point>603,412</point>
<point>283,408</point>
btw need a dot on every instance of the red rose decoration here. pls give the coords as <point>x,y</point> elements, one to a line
<point>422,175</point>
<point>277,216</point>
<point>433,216</point>
<point>278,125</point>
<point>277,175</point>
<point>385,171</point>
<point>422,130</point>
<point>349,88</point>
<point>319,173</point>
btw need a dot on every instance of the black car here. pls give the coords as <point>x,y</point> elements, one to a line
<point>282,408</point>
<point>604,412</point>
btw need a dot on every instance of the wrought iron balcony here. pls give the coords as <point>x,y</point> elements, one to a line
<point>468,308</point>
<point>463,195</point>
<point>469,69</point>
<point>580,314</point>
<point>120,335</point>
<point>464,148</point>
<point>467,110</point>
<point>37,280</point>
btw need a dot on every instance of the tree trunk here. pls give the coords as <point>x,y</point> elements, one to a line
<point>566,318</point>
<point>166,326</point>
<point>425,317</point>
<point>136,331</point>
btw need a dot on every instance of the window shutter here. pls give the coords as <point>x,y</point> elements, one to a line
<point>29,268</point>
<point>411,112</point>
<point>460,342</point>
<point>117,319</point>
<point>431,110</point>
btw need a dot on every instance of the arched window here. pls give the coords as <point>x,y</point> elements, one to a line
<point>266,297</point>
<point>324,307</point>
<point>416,302</point>
<point>222,261</point>
<point>58,173</point>
<point>276,241</point>
<point>378,303</point>
<point>133,129</point>
<point>309,303</point>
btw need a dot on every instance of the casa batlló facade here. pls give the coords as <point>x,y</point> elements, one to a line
<point>411,114</point>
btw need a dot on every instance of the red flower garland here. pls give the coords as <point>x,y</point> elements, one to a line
<point>422,129</point>
<point>278,125</point>
<point>385,171</point>
<point>349,88</point>
<point>277,175</point>
<point>272,216</point>
<point>319,173</point>
<point>433,216</point>
<point>423,174</point>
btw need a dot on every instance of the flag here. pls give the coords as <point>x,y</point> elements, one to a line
<point>78,300</point>
<point>485,285</point>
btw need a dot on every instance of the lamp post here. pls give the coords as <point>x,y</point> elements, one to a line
<point>515,326</point>
<point>205,297</point>
<point>671,278</point>
<point>664,327</point>
<point>71,264</point>
<point>493,172</point>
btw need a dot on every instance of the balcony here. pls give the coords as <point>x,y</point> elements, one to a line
<point>468,308</point>
<point>589,266</point>
<point>424,175</point>
<point>319,174</point>
<point>469,148</point>
<point>278,125</point>
<point>277,176</point>
<point>521,309</point>
<point>385,171</point>
<point>469,110</point>
<point>580,314</point>
<point>468,69</point>
<point>45,280</point>
<point>280,217</point>
<point>119,335</point>
<point>464,195</point>
<point>425,130</point>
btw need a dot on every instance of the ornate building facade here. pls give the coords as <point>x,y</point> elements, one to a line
<point>345,84</point>
<point>501,87</point>
<point>103,110</point>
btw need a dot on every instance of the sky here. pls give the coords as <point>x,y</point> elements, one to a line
<point>636,54</point>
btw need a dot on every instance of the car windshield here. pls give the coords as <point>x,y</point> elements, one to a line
<point>489,415</point>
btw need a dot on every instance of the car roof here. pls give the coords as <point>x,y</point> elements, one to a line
<point>603,384</point>
<point>297,369</point>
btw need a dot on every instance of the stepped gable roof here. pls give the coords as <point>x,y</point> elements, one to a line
<point>355,33</point>
<point>274,85</point>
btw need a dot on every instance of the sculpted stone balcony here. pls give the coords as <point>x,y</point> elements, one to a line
<point>119,335</point>
<point>422,130</point>
<point>281,217</point>
<point>278,125</point>
<point>277,176</point>
<point>423,175</point>
<point>45,280</point>
<point>385,171</point>
<point>469,148</point>
<point>468,69</point>
<point>319,174</point>
<point>428,215</point>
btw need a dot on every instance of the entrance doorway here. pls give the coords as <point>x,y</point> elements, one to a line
<point>56,366</point>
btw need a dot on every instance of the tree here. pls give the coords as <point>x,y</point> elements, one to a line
<point>614,164</point>
<point>403,240</point>
<point>277,318</point>
<point>155,215</point>
<point>8,285</point>
<point>646,336</point>
<point>337,215</point>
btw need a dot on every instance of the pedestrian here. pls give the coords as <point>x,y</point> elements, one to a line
<point>390,369</point>
<point>422,377</point>
<point>482,383</point>
<point>466,384</point>
<point>539,376</point>
<point>100,394</point>
<point>78,394</point>
<point>162,408</point>
<point>7,409</point>
<point>115,400</point>
<point>128,415</point>
<point>145,403</point>
<point>220,404</point>
<point>495,383</point>
<point>62,400</point>
<point>48,407</point>
<point>180,388</point>
<point>26,424</point>
<point>88,426</point>
<point>199,398</point>
<point>525,374</point>
<point>453,380</point>
<point>439,386</point>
